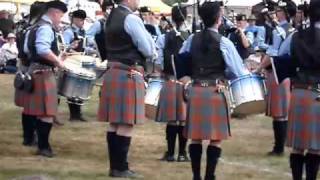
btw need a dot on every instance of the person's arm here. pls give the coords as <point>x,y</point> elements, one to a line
<point>44,39</point>
<point>134,26</point>
<point>68,36</point>
<point>160,48</point>
<point>244,39</point>
<point>232,58</point>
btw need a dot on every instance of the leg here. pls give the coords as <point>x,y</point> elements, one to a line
<point>213,155</point>
<point>171,133</point>
<point>312,159</point>
<point>280,133</point>
<point>182,157</point>
<point>44,125</point>
<point>75,110</point>
<point>296,164</point>
<point>123,140</point>
<point>28,127</point>
<point>195,150</point>
<point>112,147</point>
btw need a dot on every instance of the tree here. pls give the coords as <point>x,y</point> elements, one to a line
<point>171,2</point>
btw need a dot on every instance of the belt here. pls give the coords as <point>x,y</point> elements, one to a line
<point>132,69</point>
<point>308,86</point>
<point>205,83</point>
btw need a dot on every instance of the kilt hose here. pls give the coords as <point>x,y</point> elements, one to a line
<point>171,105</point>
<point>207,114</point>
<point>43,101</point>
<point>278,97</point>
<point>122,98</point>
<point>304,120</point>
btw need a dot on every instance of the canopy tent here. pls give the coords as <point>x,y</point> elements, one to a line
<point>22,1</point>
<point>156,6</point>
<point>243,2</point>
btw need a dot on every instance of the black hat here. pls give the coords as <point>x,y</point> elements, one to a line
<point>178,13</point>
<point>241,17</point>
<point>288,6</point>
<point>81,14</point>
<point>57,5</point>
<point>145,9</point>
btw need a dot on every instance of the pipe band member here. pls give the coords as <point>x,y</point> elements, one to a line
<point>207,112</point>
<point>74,38</point>
<point>278,97</point>
<point>128,45</point>
<point>302,65</point>
<point>172,107</point>
<point>42,48</point>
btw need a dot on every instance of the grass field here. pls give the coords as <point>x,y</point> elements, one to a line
<point>81,148</point>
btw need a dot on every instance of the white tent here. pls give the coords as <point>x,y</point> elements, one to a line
<point>243,2</point>
<point>156,6</point>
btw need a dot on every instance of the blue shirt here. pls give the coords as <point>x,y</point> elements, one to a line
<point>68,34</point>
<point>141,38</point>
<point>94,29</point>
<point>44,38</point>
<point>230,54</point>
<point>278,35</point>
<point>261,38</point>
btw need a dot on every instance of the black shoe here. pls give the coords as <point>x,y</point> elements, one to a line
<point>125,174</point>
<point>46,153</point>
<point>167,157</point>
<point>274,153</point>
<point>183,158</point>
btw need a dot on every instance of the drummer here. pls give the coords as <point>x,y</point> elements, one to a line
<point>303,69</point>
<point>41,46</point>
<point>172,108</point>
<point>122,95</point>
<point>74,38</point>
<point>207,112</point>
<point>278,97</point>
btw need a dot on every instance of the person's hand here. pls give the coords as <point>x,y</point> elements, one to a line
<point>63,56</point>
<point>185,79</point>
<point>60,64</point>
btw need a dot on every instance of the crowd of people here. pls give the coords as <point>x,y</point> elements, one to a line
<point>194,61</point>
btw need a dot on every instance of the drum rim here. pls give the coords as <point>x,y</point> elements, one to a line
<point>245,77</point>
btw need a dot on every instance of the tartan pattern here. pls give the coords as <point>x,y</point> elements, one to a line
<point>171,105</point>
<point>304,120</point>
<point>122,98</point>
<point>43,101</point>
<point>278,97</point>
<point>207,114</point>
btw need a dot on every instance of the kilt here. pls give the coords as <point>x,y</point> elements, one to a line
<point>207,114</point>
<point>43,101</point>
<point>171,105</point>
<point>304,120</point>
<point>278,97</point>
<point>122,98</point>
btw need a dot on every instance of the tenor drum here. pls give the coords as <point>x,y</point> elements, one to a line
<point>247,95</point>
<point>76,83</point>
<point>152,96</point>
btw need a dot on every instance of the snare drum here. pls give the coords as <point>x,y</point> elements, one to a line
<point>100,69</point>
<point>152,96</point>
<point>247,95</point>
<point>76,83</point>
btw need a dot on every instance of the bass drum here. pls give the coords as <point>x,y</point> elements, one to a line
<point>76,83</point>
<point>152,96</point>
<point>247,95</point>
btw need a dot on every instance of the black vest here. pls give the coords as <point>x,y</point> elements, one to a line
<point>269,36</point>
<point>119,45</point>
<point>207,63</point>
<point>306,56</point>
<point>99,38</point>
<point>236,39</point>
<point>32,42</point>
<point>172,45</point>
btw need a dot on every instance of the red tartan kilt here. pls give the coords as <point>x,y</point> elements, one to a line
<point>278,97</point>
<point>172,106</point>
<point>43,101</point>
<point>207,115</point>
<point>122,98</point>
<point>304,120</point>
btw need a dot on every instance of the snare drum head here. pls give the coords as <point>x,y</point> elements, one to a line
<point>81,72</point>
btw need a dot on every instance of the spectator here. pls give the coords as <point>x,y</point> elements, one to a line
<point>9,54</point>
<point>6,24</point>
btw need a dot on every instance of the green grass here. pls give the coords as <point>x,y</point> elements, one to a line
<point>81,148</point>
